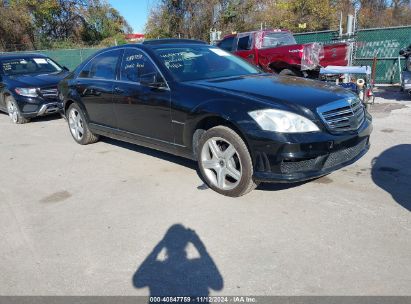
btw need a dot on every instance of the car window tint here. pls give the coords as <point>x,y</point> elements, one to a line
<point>244,43</point>
<point>29,65</point>
<point>276,39</point>
<point>103,66</point>
<point>226,44</point>
<point>136,65</point>
<point>202,62</point>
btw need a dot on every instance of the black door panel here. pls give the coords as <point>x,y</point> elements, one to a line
<point>97,96</point>
<point>95,86</point>
<point>141,109</point>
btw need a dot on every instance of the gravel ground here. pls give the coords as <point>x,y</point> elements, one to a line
<point>94,220</point>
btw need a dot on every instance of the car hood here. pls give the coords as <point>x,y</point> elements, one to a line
<point>38,80</point>
<point>279,89</point>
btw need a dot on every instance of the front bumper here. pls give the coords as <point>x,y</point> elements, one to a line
<point>32,107</point>
<point>406,80</point>
<point>298,157</point>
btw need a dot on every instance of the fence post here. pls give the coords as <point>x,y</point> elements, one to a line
<point>399,68</point>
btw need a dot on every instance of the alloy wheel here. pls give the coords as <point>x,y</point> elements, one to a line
<point>13,111</point>
<point>76,124</point>
<point>221,163</point>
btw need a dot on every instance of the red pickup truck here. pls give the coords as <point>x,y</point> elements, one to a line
<point>276,51</point>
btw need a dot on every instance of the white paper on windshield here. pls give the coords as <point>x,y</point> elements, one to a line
<point>40,60</point>
<point>220,52</point>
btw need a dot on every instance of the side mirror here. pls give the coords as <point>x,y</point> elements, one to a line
<point>152,81</point>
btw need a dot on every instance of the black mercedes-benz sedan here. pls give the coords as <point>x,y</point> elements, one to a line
<point>194,100</point>
<point>28,86</point>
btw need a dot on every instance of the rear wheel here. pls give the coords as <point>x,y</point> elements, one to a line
<point>225,162</point>
<point>78,126</point>
<point>14,111</point>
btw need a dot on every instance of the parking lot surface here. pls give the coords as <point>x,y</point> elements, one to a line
<point>94,220</point>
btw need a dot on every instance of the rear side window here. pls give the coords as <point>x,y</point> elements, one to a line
<point>136,65</point>
<point>244,43</point>
<point>226,44</point>
<point>276,39</point>
<point>102,66</point>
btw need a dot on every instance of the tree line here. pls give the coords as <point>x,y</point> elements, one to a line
<point>46,24</point>
<point>195,18</point>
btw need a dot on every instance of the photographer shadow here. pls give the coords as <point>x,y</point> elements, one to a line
<point>169,271</point>
<point>391,171</point>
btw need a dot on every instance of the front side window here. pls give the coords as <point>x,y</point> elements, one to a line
<point>24,65</point>
<point>203,62</point>
<point>136,65</point>
<point>103,66</point>
<point>226,44</point>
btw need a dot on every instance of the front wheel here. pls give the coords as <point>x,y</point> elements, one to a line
<point>225,163</point>
<point>78,126</point>
<point>14,111</point>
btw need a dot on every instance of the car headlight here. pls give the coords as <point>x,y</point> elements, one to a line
<point>283,121</point>
<point>28,92</point>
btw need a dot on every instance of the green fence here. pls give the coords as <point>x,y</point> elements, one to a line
<point>323,36</point>
<point>384,43</point>
<point>68,57</point>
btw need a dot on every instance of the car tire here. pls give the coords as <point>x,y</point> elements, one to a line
<point>14,111</point>
<point>78,126</point>
<point>287,72</point>
<point>225,162</point>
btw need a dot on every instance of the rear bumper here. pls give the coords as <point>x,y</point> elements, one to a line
<point>298,157</point>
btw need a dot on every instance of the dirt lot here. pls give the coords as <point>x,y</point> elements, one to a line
<point>86,220</point>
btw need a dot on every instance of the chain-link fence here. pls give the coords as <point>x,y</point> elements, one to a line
<point>382,43</point>
<point>70,58</point>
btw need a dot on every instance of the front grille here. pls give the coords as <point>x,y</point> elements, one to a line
<point>323,162</point>
<point>342,115</point>
<point>49,93</point>
<point>295,166</point>
<point>344,155</point>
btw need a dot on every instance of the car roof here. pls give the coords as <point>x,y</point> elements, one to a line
<point>157,43</point>
<point>172,41</point>
<point>264,31</point>
<point>20,55</point>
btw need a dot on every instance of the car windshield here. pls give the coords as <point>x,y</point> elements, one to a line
<point>32,65</point>
<point>203,62</point>
<point>277,39</point>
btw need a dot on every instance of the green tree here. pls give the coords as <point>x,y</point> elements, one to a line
<point>16,28</point>
<point>60,23</point>
<point>101,21</point>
